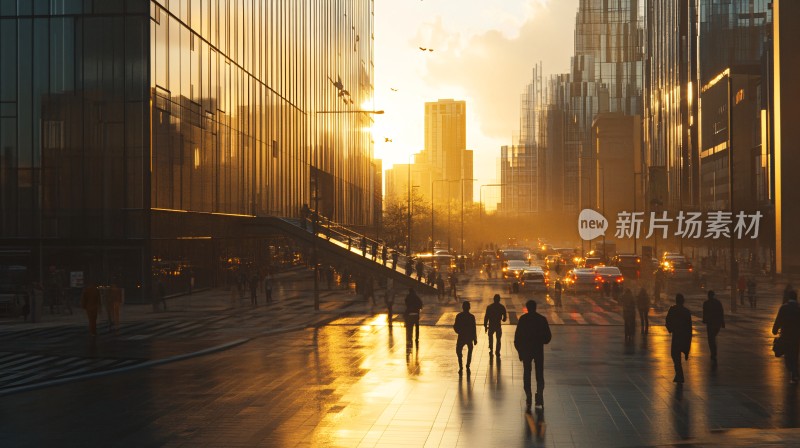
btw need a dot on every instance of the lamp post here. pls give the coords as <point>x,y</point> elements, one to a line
<point>315,222</point>
<point>461,250</point>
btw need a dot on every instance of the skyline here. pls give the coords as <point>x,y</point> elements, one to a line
<point>468,47</point>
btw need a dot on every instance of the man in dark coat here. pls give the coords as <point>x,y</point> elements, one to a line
<point>395,257</point>
<point>420,271</point>
<point>465,329</point>
<point>492,322</point>
<point>643,305</point>
<point>788,323</point>
<point>629,313</point>
<point>714,318</point>
<point>413,308</point>
<point>679,323</point>
<point>532,333</point>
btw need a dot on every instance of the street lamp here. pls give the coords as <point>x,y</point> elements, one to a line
<point>461,251</point>
<point>318,167</point>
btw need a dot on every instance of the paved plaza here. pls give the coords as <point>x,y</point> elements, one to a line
<point>343,378</point>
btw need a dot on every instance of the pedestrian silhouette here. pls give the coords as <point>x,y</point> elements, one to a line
<point>464,327</point>
<point>751,292</point>
<point>787,292</point>
<point>420,271</point>
<point>557,290</point>
<point>629,314</point>
<point>643,304</point>
<point>254,289</point>
<point>384,254</point>
<point>91,303</point>
<point>454,285</point>
<point>411,316</point>
<point>492,322</point>
<point>787,322</point>
<point>714,318</point>
<point>532,333</point>
<point>395,257</point>
<point>741,286</point>
<point>440,286</point>
<point>679,323</point>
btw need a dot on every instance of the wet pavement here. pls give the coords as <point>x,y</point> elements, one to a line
<point>352,382</point>
<point>357,385</point>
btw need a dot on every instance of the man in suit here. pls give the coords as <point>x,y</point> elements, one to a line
<point>533,331</point>
<point>714,318</point>
<point>464,327</point>
<point>679,323</point>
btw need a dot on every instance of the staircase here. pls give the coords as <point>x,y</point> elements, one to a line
<point>334,241</point>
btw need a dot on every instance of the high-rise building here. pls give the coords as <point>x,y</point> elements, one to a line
<point>671,103</point>
<point>144,134</point>
<point>605,77</point>
<point>446,151</point>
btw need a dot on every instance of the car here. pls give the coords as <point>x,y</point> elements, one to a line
<point>515,254</point>
<point>672,256</point>
<point>607,274</point>
<point>629,264</point>
<point>679,270</point>
<point>514,268</point>
<point>533,281</point>
<point>591,262</point>
<point>579,279</point>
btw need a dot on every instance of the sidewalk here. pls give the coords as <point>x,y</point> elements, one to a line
<point>60,348</point>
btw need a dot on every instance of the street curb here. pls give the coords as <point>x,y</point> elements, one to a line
<point>155,362</point>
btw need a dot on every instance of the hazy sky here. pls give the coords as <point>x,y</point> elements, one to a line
<point>484,52</point>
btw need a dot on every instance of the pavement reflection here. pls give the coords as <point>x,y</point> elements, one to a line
<point>347,385</point>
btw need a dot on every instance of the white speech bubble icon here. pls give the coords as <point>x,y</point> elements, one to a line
<point>591,224</point>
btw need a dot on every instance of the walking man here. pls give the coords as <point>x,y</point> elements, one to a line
<point>532,333</point>
<point>492,322</point>
<point>395,257</point>
<point>420,271</point>
<point>714,318</point>
<point>467,335</point>
<point>413,308</point>
<point>679,323</point>
<point>454,285</point>
<point>643,304</point>
<point>788,324</point>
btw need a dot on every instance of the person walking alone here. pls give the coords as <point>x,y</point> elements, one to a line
<point>464,327</point>
<point>411,316</point>
<point>787,322</point>
<point>533,332</point>
<point>679,323</point>
<point>714,318</point>
<point>492,322</point>
<point>643,304</point>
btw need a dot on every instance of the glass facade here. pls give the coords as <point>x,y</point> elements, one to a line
<point>136,130</point>
<point>670,115</point>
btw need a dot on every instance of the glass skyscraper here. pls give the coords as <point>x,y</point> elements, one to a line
<point>133,132</point>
